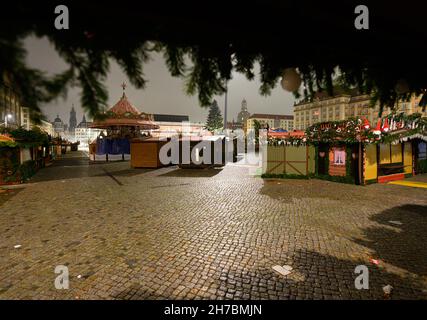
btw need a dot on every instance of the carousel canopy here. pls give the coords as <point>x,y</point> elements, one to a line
<point>124,114</point>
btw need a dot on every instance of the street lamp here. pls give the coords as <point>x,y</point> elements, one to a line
<point>233,62</point>
<point>7,117</point>
<point>225,106</point>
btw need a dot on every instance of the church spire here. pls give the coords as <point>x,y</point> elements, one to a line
<point>244,105</point>
<point>73,120</point>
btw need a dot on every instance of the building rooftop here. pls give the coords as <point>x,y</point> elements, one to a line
<point>124,106</point>
<point>338,92</point>
<point>271,116</point>
<point>170,118</point>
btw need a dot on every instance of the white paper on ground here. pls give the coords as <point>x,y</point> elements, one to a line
<point>283,270</point>
<point>388,289</point>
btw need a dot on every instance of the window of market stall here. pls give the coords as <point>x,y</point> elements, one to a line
<point>390,159</point>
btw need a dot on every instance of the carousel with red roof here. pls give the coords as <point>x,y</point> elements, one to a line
<point>118,126</point>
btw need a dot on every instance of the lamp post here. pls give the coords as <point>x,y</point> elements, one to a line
<point>225,106</point>
<point>233,59</point>
<point>7,116</point>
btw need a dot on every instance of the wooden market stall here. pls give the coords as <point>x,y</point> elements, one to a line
<point>145,152</point>
<point>287,154</point>
<point>22,153</point>
<point>352,151</point>
<point>366,154</point>
<point>9,157</point>
<point>396,152</point>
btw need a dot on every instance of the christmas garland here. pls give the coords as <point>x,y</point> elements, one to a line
<point>29,138</point>
<point>8,144</point>
<point>393,128</point>
<point>335,132</point>
<point>126,115</point>
<point>294,141</point>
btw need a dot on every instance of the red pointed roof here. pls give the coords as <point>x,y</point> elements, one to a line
<point>124,106</point>
<point>124,114</point>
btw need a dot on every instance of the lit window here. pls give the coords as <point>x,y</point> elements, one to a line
<point>339,157</point>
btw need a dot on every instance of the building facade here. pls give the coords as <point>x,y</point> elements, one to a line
<point>20,116</point>
<point>409,107</point>
<point>271,121</point>
<point>58,126</point>
<point>233,125</point>
<point>26,118</point>
<point>84,134</point>
<point>27,124</point>
<point>345,106</point>
<point>47,127</point>
<point>10,106</point>
<point>171,125</point>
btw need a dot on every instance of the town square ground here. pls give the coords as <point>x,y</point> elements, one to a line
<point>207,234</point>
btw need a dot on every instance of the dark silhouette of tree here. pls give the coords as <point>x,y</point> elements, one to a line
<point>315,37</point>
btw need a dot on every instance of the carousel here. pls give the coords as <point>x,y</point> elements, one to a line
<point>118,126</point>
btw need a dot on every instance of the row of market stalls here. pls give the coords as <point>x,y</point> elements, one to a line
<point>23,152</point>
<point>351,151</point>
<point>126,133</point>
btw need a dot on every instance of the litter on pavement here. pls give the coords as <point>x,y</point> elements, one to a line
<point>283,270</point>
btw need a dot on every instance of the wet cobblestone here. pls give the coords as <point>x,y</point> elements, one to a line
<point>208,234</point>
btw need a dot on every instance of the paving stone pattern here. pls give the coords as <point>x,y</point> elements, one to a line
<point>207,234</point>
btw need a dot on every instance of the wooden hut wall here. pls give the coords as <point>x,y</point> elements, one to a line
<point>295,160</point>
<point>273,161</point>
<point>145,153</point>
<point>371,164</point>
<point>311,159</point>
<point>407,158</point>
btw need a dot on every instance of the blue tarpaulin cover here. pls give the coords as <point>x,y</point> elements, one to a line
<point>112,146</point>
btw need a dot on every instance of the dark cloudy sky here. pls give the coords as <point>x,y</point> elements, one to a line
<point>163,93</point>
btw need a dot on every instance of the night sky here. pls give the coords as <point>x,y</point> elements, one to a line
<point>163,93</point>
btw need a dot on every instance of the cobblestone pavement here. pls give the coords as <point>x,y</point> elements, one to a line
<point>208,234</point>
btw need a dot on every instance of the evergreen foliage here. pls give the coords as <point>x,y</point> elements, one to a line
<point>315,37</point>
<point>214,120</point>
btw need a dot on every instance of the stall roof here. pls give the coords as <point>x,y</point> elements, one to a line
<point>124,114</point>
<point>284,135</point>
<point>6,138</point>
